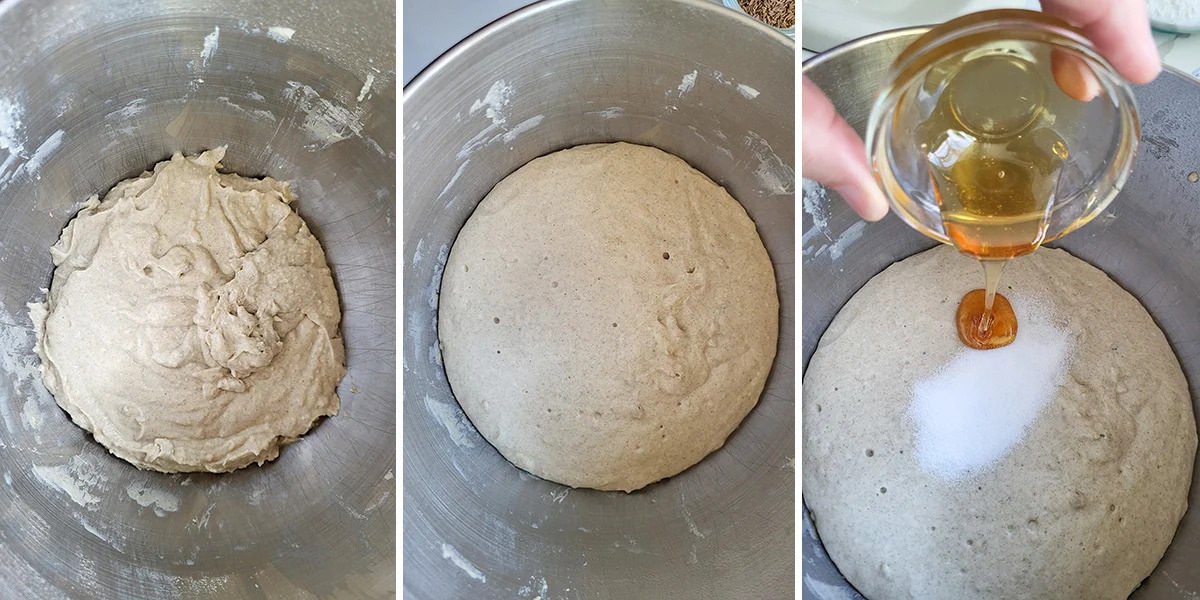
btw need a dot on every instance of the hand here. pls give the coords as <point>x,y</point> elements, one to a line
<point>1120,30</point>
<point>832,153</point>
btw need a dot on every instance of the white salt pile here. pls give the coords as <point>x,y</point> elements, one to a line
<point>973,412</point>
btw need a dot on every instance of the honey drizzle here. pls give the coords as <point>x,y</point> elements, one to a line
<point>994,159</point>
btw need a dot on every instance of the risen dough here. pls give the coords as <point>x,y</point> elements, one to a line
<point>192,324</point>
<point>1082,509</point>
<point>608,316</point>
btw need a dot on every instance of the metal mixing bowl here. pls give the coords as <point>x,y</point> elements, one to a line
<point>1148,241</point>
<point>692,78</point>
<point>93,92</point>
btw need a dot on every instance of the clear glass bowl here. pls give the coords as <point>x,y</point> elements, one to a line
<point>1102,133</point>
<point>790,31</point>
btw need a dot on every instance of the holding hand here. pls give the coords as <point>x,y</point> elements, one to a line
<point>832,153</point>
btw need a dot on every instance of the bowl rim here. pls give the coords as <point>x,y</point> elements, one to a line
<point>499,25</point>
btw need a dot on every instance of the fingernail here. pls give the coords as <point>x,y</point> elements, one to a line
<point>871,204</point>
<point>877,210</point>
<point>878,201</point>
<point>1074,77</point>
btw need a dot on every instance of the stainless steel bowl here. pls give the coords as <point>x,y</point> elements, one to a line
<point>695,79</point>
<point>1148,241</point>
<point>93,92</point>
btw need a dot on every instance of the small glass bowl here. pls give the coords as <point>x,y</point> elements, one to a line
<point>1102,134</point>
<point>790,31</point>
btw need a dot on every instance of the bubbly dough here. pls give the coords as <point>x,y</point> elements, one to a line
<point>1082,509</point>
<point>192,323</point>
<point>608,316</point>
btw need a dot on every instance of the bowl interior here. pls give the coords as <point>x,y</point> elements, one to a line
<point>555,75</point>
<point>1146,241</point>
<point>97,94</point>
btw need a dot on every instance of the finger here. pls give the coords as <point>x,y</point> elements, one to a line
<point>832,154</point>
<point>1120,30</point>
<point>1074,76</point>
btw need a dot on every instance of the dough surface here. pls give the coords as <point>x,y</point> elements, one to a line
<point>1082,508</point>
<point>608,315</point>
<point>192,323</point>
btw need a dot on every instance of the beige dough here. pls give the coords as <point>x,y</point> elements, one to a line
<point>1081,508</point>
<point>192,323</point>
<point>608,315</point>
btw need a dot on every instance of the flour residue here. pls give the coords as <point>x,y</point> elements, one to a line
<point>838,245</point>
<point>257,114</point>
<point>451,554</point>
<point>747,92</point>
<point>114,536</point>
<point>32,416</point>
<point>415,331</point>
<point>22,371</point>
<point>1186,594</point>
<point>76,478</point>
<point>495,103</point>
<point>687,516</point>
<point>10,127</point>
<point>522,127</point>
<point>17,357</point>
<point>775,177</point>
<point>127,112</point>
<point>611,112</point>
<point>692,525</point>
<point>160,501</point>
<point>366,88</point>
<point>421,326</point>
<point>210,47</point>
<point>11,138</point>
<point>281,34</point>
<point>974,411</point>
<point>688,82</point>
<point>461,431</point>
<point>256,496</point>
<point>815,202</point>
<point>325,123</point>
<point>33,166</point>
<point>458,173</point>
<point>718,146</point>
<point>350,510</point>
<point>201,522</point>
<point>381,496</point>
<point>417,252</point>
<point>535,588</point>
<point>438,269</point>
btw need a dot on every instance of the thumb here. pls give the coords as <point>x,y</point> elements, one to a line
<point>832,154</point>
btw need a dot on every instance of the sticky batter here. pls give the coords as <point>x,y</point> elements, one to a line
<point>192,322</point>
